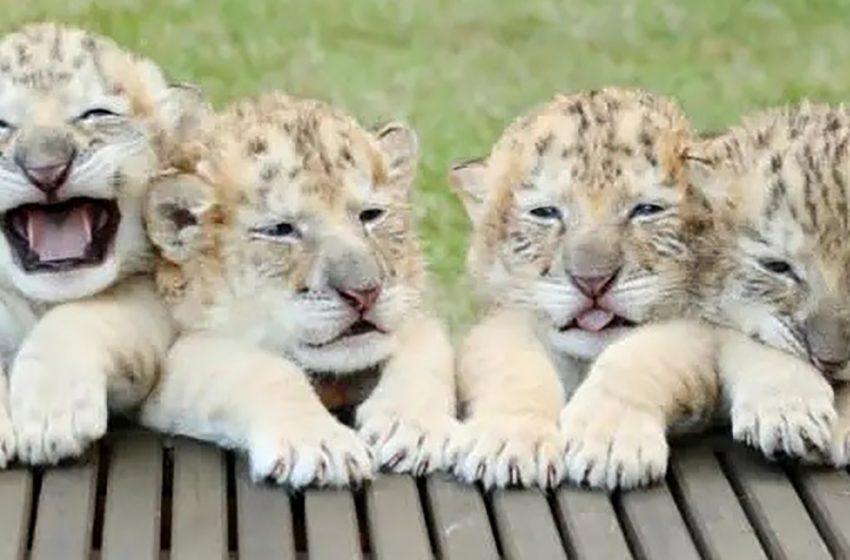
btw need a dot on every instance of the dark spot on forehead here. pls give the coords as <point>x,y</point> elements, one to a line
<point>257,146</point>
<point>776,163</point>
<point>23,54</point>
<point>345,156</point>
<point>269,172</point>
<point>295,172</point>
<point>542,145</point>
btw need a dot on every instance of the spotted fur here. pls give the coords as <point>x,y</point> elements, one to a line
<point>288,208</point>
<point>79,341</point>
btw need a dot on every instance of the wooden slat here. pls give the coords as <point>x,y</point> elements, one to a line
<point>132,514</point>
<point>264,519</point>
<point>66,512</point>
<point>773,506</point>
<point>719,522</point>
<point>396,523</point>
<point>827,495</point>
<point>16,500</point>
<point>655,526</point>
<point>460,522</point>
<point>526,526</point>
<point>332,531</point>
<point>591,524</point>
<point>198,526</point>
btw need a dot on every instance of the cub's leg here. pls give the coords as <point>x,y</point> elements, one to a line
<point>615,425</point>
<point>514,395</point>
<point>777,402</point>
<point>239,396</point>
<point>80,360</point>
<point>408,418</point>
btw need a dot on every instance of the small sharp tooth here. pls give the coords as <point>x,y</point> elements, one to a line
<point>86,217</point>
<point>103,217</point>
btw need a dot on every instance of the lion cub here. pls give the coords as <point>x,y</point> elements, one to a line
<point>777,279</point>
<point>288,255</point>
<point>584,228</point>
<point>84,125</point>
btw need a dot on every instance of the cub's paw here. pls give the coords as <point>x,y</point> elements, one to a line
<point>304,451</point>
<point>404,443</point>
<point>56,411</point>
<point>507,450</point>
<point>611,445</point>
<point>794,424</point>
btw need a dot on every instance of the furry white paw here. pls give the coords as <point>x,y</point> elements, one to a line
<point>404,444</point>
<point>610,445</point>
<point>507,450</point>
<point>304,451</point>
<point>796,424</point>
<point>56,413</point>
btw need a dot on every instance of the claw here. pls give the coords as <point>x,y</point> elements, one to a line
<point>396,459</point>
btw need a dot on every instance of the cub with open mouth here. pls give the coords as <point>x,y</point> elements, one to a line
<point>584,227</point>
<point>290,261</point>
<point>84,125</point>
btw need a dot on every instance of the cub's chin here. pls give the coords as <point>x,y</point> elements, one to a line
<point>359,347</point>
<point>583,344</point>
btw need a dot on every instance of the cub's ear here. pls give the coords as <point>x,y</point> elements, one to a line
<point>401,146</point>
<point>467,180</point>
<point>181,213</point>
<point>182,114</point>
<point>710,167</point>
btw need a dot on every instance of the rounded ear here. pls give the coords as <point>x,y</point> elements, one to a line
<point>399,142</point>
<point>467,180</point>
<point>710,168</point>
<point>182,115</point>
<point>181,213</point>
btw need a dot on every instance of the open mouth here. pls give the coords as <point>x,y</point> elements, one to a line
<point>357,328</point>
<point>597,320</point>
<point>63,236</point>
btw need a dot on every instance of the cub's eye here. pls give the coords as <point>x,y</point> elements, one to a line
<point>645,209</point>
<point>276,231</point>
<point>777,266</point>
<point>4,126</point>
<point>95,113</point>
<point>546,212</point>
<point>371,215</point>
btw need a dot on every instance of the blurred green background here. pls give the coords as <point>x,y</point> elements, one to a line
<point>460,70</point>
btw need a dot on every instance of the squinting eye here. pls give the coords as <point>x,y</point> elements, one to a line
<point>283,229</point>
<point>5,125</point>
<point>546,213</point>
<point>778,267</point>
<point>95,113</point>
<point>370,215</point>
<point>641,210</point>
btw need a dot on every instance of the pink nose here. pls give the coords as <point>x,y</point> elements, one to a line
<point>594,286</point>
<point>50,178</point>
<point>361,300</point>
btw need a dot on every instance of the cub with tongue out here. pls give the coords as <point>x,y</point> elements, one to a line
<point>585,226</point>
<point>84,125</point>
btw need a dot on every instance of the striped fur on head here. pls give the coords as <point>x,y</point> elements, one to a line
<point>591,184</point>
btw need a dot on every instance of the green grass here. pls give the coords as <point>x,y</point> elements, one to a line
<point>459,70</point>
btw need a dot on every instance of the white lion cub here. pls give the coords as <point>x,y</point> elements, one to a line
<point>84,125</point>
<point>289,256</point>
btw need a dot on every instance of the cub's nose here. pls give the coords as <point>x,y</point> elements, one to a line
<point>594,286</point>
<point>49,178</point>
<point>361,300</point>
<point>45,155</point>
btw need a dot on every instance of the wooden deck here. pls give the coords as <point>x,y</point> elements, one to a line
<point>139,498</point>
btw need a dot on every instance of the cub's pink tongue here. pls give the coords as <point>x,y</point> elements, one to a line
<point>594,320</point>
<point>57,236</point>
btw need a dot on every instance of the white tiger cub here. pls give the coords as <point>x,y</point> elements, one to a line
<point>777,278</point>
<point>83,126</point>
<point>583,221</point>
